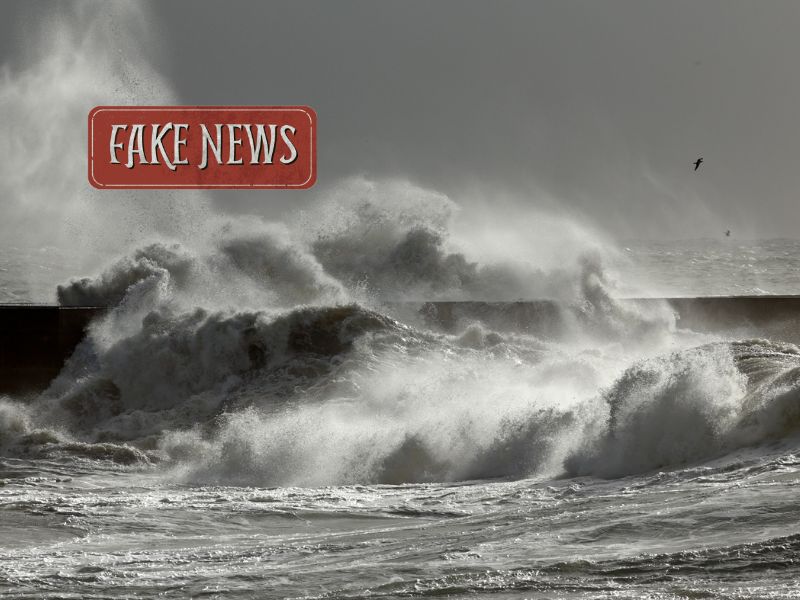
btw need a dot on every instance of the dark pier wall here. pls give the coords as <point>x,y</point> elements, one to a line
<point>546,318</point>
<point>36,340</point>
<point>729,312</point>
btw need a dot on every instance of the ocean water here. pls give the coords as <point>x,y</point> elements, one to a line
<point>258,418</point>
<point>713,267</point>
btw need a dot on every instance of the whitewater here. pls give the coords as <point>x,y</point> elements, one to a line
<point>259,416</point>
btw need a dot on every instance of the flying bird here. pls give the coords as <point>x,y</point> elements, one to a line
<point>728,233</point>
<point>697,163</point>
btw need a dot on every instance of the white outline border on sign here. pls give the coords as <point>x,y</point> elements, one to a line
<point>97,110</point>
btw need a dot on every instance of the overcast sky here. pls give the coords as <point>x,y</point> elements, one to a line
<point>602,105</point>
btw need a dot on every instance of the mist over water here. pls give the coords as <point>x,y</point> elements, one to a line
<point>269,404</point>
<point>78,56</point>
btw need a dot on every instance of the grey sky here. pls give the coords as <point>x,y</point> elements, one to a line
<point>602,105</point>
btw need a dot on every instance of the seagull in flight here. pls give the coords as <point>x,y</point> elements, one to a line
<point>697,163</point>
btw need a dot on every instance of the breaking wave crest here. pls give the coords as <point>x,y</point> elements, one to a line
<point>295,354</point>
<point>346,394</point>
<point>411,420</point>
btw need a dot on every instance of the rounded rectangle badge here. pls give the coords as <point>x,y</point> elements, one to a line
<point>167,147</point>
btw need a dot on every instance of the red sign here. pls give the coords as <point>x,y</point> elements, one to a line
<point>202,147</point>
